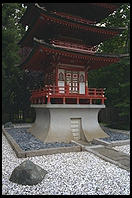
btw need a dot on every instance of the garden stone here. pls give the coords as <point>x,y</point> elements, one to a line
<point>8,124</point>
<point>27,173</point>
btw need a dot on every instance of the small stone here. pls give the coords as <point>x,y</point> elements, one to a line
<point>8,125</point>
<point>28,173</point>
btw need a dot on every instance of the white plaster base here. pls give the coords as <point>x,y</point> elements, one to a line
<point>53,122</point>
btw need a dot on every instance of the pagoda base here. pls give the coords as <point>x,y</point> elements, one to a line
<point>66,122</point>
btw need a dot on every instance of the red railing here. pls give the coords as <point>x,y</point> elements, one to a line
<point>44,95</point>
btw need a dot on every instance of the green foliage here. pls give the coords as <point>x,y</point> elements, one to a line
<point>116,77</point>
<point>120,18</point>
<point>14,89</point>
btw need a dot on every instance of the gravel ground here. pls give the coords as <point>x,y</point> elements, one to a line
<point>124,149</point>
<point>114,136</point>
<point>28,142</point>
<point>80,173</point>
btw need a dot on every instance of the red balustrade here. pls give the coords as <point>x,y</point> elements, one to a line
<point>44,95</point>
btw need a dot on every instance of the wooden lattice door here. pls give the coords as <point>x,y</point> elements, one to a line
<point>72,81</point>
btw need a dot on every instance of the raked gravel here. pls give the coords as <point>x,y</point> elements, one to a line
<point>74,173</point>
<point>27,141</point>
<point>124,149</point>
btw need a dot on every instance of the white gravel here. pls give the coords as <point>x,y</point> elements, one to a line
<point>80,173</point>
<point>124,149</point>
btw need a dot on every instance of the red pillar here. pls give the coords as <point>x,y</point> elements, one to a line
<point>56,76</point>
<point>90,100</point>
<point>77,100</point>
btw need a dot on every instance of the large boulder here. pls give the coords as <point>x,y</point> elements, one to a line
<point>28,173</point>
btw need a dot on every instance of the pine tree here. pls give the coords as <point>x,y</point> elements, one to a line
<point>14,93</point>
<point>116,77</point>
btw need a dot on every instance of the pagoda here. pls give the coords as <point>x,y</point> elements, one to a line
<point>61,42</point>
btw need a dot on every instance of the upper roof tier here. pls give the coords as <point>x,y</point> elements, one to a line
<point>93,12</point>
<point>47,25</point>
<point>43,55</point>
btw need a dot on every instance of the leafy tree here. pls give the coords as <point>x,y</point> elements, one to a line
<point>116,77</point>
<point>14,89</point>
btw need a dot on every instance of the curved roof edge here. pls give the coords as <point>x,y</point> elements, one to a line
<point>40,6</point>
<point>42,42</point>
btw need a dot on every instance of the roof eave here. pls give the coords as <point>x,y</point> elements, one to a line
<point>38,42</point>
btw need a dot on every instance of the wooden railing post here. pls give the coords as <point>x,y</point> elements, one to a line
<point>57,90</point>
<point>53,89</point>
<point>102,92</point>
<point>64,101</point>
<point>48,101</point>
<point>102,100</point>
<point>77,100</point>
<point>94,91</point>
<point>86,90</point>
<point>43,100</point>
<point>48,94</point>
<point>67,89</point>
<point>90,100</point>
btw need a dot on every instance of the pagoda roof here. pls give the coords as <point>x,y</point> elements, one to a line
<point>43,19</point>
<point>44,53</point>
<point>94,12</point>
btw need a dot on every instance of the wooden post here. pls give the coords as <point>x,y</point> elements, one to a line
<point>86,91</point>
<point>67,89</point>
<point>94,91</point>
<point>102,100</point>
<point>77,100</point>
<point>43,102</point>
<point>56,76</point>
<point>90,100</point>
<point>64,101</point>
<point>48,99</point>
<point>102,92</point>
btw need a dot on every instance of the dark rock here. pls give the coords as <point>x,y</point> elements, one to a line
<point>8,124</point>
<point>28,173</point>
